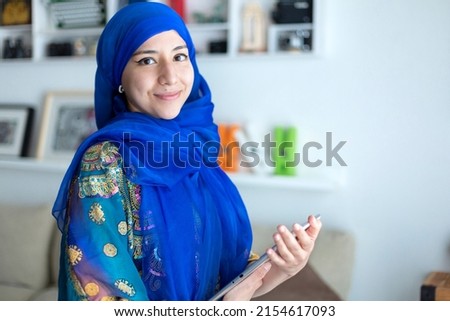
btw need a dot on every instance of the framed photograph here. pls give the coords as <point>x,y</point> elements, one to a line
<point>67,119</point>
<point>15,129</point>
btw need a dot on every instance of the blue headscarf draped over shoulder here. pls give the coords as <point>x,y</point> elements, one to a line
<point>194,224</point>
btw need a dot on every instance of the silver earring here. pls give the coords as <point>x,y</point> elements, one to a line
<point>121,90</point>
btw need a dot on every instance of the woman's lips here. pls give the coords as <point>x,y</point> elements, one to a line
<point>169,96</point>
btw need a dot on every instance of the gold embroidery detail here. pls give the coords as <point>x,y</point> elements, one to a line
<point>125,287</point>
<point>100,156</point>
<point>91,158</point>
<point>96,214</point>
<point>137,241</point>
<point>136,222</point>
<point>100,185</point>
<point>75,254</point>
<point>135,195</point>
<point>122,228</point>
<point>112,298</point>
<point>91,289</point>
<point>110,154</point>
<point>76,284</point>
<point>253,257</point>
<point>110,250</point>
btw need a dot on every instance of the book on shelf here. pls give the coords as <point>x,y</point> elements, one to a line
<point>77,14</point>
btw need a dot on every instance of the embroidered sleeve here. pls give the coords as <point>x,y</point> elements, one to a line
<point>101,248</point>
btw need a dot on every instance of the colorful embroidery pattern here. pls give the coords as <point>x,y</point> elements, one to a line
<point>125,287</point>
<point>110,250</point>
<point>122,228</point>
<point>101,195</point>
<point>100,185</point>
<point>96,213</point>
<point>91,289</point>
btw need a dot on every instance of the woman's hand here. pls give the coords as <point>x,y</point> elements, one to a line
<point>293,252</point>
<point>294,248</point>
<point>245,290</point>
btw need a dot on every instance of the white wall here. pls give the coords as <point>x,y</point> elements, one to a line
<point>381,84</point>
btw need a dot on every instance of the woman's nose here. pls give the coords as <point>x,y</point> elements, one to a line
<point>167,75</point>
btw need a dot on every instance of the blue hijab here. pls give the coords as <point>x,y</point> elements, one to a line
<point>191,214</point>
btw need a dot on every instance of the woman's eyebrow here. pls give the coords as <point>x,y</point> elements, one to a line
<point>150,51</point>
<point>180,48</point>
<point>142,52</point>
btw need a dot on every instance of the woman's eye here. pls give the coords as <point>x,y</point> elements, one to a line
<point>181,57</point>
<point>146,61</point>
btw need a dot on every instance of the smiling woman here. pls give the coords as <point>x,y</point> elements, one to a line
<point>132,230</point>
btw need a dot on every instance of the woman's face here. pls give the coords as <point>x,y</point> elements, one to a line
<point>159,76</point>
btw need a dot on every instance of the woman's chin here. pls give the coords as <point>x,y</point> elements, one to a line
<point>169,114</point>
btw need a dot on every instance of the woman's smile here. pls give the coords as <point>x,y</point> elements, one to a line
<point>169,95</point>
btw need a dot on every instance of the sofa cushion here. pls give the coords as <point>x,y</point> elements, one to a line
<point>24,248</point>
<point>48,294</point>
<point>307,285</point>
<point>54,255</point>
<point>14,293</point>
<point>332,258</point>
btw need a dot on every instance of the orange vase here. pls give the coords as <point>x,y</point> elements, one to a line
<point>229,154</point>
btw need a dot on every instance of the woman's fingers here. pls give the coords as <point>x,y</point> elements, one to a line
<point>294,247</point>
<point>245,290</point>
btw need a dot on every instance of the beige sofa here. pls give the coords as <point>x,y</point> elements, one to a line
<point>29,254</point>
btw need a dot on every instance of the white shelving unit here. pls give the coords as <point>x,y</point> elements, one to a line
<point>42,31</point>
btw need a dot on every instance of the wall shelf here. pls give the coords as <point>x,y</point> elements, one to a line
<point>266,181</point>
<point>33,165</point>
<point>283,182</point>
<point>42,32</point>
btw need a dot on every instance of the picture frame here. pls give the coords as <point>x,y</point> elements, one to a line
<point>68,118</point>
<point>15,12</point>
<point>15,129</point>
